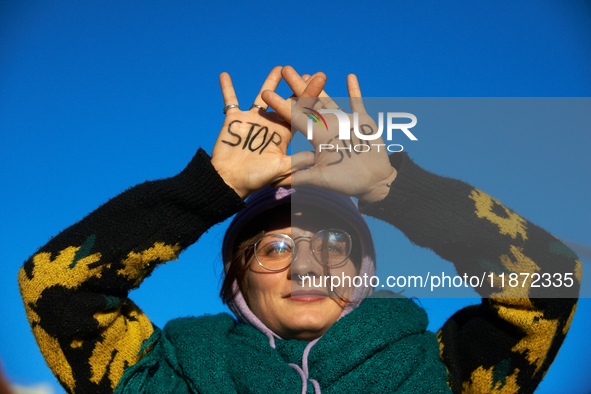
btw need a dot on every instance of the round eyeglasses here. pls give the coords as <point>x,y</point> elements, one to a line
<point>330,247</point>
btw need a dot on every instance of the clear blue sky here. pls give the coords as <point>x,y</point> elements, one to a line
<point>98,96</point>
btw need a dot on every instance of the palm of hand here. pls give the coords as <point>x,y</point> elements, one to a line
<point>251,150</point>
<point>349,167</point>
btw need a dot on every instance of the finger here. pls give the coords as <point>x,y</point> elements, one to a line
<point>355,94</point>
<point>302,160</point>
<point>228,92</point>
<point>307,177</point>
<point>270,84</point>
<point>297,162</point>
<point>293,116</point>
<point>313,90</point>
<point>298,87</point>
<point>296,83</point>
<point>293,79</point>
<point>318,104</point>
<point>283,178</point>
<point>278,104</point>
<point>325,101</point>
<point>284,182</point>
<point>314,86</point>
<point>306,78</point>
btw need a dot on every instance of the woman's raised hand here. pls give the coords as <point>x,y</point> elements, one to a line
<point>366,175</point>
<point>251,150</point>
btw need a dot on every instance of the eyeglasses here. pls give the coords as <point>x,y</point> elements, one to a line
<point>330,247</point>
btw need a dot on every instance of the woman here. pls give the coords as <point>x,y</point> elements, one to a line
<point>292,337</point>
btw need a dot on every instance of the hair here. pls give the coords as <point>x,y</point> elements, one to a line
<point>239,264</point>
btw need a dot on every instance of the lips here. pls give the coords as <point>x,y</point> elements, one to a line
<point>307,295</point>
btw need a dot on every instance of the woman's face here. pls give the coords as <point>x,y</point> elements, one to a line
<point>293,308</point>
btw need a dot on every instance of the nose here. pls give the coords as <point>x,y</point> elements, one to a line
<point>304,263</point>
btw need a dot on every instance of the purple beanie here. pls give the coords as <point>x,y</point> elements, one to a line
<point>269,198</point>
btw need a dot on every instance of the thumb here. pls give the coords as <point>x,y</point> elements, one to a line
<point>291,164</point>
<point>308,177</point>
<point>302,160</point>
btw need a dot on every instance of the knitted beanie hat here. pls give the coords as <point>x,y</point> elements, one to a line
<point>332,203</point>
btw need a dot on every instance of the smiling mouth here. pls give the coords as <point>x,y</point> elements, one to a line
<point>307,295</point>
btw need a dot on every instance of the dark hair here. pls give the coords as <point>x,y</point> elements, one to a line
<point>237,270</point>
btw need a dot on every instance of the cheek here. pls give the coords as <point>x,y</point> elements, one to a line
<point>348,270</point>
<point>342,285</point>
<point>262,287</point>
<point>259,284</point>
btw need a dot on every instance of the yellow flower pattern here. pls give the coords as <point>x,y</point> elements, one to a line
<point>122,329</point>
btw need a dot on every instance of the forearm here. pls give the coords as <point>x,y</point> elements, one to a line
<point>516,326</point>
<point>474,231</point>
<point>75,287</point>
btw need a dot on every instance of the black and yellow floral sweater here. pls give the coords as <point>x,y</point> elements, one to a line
<point>75,288</point>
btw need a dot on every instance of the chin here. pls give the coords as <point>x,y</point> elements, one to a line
<point>309,325</point>
<point>306,334</point>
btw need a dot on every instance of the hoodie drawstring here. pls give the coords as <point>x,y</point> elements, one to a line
<point>304,373</point>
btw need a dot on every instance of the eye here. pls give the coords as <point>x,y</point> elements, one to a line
<point>273,247</point>
<point>331,247</point>
<point>277,247</point>
<point>338,247</point>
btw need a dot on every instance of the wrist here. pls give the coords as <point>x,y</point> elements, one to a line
<point>379,190</point>
<point>240,192</point>
<point>227,178</point>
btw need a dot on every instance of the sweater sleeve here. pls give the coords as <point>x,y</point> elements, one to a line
<point>75,287</point>
<point>507,343</point>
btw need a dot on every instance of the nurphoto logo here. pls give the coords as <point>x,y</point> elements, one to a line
<point>364,132</point>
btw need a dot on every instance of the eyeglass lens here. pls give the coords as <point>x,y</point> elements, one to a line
<point>329,247</point>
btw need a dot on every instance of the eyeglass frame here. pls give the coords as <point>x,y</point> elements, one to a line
<point>294,253</point>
